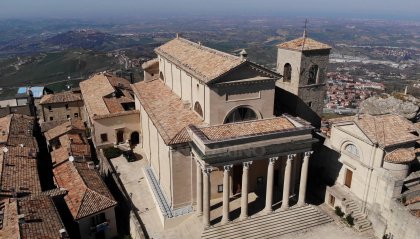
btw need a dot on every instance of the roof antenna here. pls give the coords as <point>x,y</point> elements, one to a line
<point>304,34</point>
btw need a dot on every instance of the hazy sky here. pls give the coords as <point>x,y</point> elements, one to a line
<point>397,9</point>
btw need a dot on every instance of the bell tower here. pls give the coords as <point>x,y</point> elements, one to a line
<point>303,64</point>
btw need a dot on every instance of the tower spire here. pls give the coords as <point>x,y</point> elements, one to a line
<point>304,34</point>
<point>304,30</point>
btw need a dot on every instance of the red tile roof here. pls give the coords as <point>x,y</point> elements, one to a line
<point>386,130</point>
<point>399,156</point>
<point>202,62</point>
<point>87,193</point>
<point>167,112</point>
<point>40,218</point>
<point>63,97</point>
<point>307,43</point>
<point>69,125</point>
<point>235,130</point>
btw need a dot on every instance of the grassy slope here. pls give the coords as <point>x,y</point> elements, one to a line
<point>55,67</point>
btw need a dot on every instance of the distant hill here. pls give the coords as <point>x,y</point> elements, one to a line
<point>86,39</point>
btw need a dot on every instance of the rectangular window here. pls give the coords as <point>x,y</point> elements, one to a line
<point>49,108</point>
<point>310,104</point>
<point>76,115</point>
<point>104,138</point>
<point>51,118</point>
<point>67,106</point>
<point>68,116</point>
<point>220,188</point>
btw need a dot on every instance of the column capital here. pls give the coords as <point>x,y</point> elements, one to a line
<point>207,170</point>
<point>227,167</point>
<point>273,159</point>
<point>308,153</point>
<point>247,164</point>
<point>291,156</point>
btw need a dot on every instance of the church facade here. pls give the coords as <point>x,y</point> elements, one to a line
<point>210,132</point>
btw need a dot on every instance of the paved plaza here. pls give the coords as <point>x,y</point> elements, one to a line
<point>133,176</point>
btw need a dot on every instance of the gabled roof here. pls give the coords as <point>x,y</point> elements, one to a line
<point>166,110</point>
<point>104,95</point>
<point>87,193</point>
<point>69,125</point>
<point>307,43</point>
<point>385,130</point>
<point>63,97</point>
<point>204,63</point>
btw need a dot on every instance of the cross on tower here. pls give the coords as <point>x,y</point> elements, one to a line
<point>304,31</point>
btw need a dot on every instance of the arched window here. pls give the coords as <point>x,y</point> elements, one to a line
<point>287,73</point>
<point>198,109</point>
<point>351,148</point>
<point>241,114</point>
<point>313,75</point>
<point>161,76</point>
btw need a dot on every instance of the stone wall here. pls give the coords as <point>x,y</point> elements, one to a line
<point>397,221</point>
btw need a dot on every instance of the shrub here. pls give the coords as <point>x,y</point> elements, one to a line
<point>112,152</point>
<point>338,211</point>
<point>350,220</point>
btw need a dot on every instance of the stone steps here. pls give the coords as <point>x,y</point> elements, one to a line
<point>361,223</point>
<point>269,226</point>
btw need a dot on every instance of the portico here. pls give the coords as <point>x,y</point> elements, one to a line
<point>273,149</point>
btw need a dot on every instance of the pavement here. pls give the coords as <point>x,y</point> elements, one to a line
<point>134,179</point>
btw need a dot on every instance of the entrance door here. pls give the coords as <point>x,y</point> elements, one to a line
<point>237,179</point>
<point>120,136</point>
<point>349,176</point>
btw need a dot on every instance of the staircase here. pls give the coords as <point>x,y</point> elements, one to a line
<point>361,223</point>
<point>269,226</point>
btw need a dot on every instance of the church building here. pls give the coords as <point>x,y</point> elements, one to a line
<point>211,130</point>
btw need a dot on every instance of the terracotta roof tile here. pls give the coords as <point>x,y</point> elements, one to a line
<point>4,128</point>
<point>87,193</point>
<point>19,171</point>
<point>310,44</point>
<point>69,125</point>
<point>63,97</point>
<point>386,130</point>
<point>18,165</point>
<point>402,155</point>
<point>41,218</point>
<point>202,62</point>
<point>235,130</point>
<point>166,111</point>
<point>101,94</point>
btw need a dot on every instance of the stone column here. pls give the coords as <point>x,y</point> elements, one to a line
<point>286,186</point>
<point>199,190</point>
<point>304,178</point>
<point>206,197</point>
<point>226,193</point>
<point>269,192</point>
<point>244,192</point>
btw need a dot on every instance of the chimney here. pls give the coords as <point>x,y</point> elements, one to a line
<point>199,43</point>
<point>243,54</point>
<point>177,35</point>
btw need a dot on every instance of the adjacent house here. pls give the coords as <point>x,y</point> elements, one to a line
<point>31,218</point>
<point>18,157</point>
<point>110,110</point>
<point>88,199</point>
<point>54,135</point>
<point>370,162</point>
<point>61,106</point>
